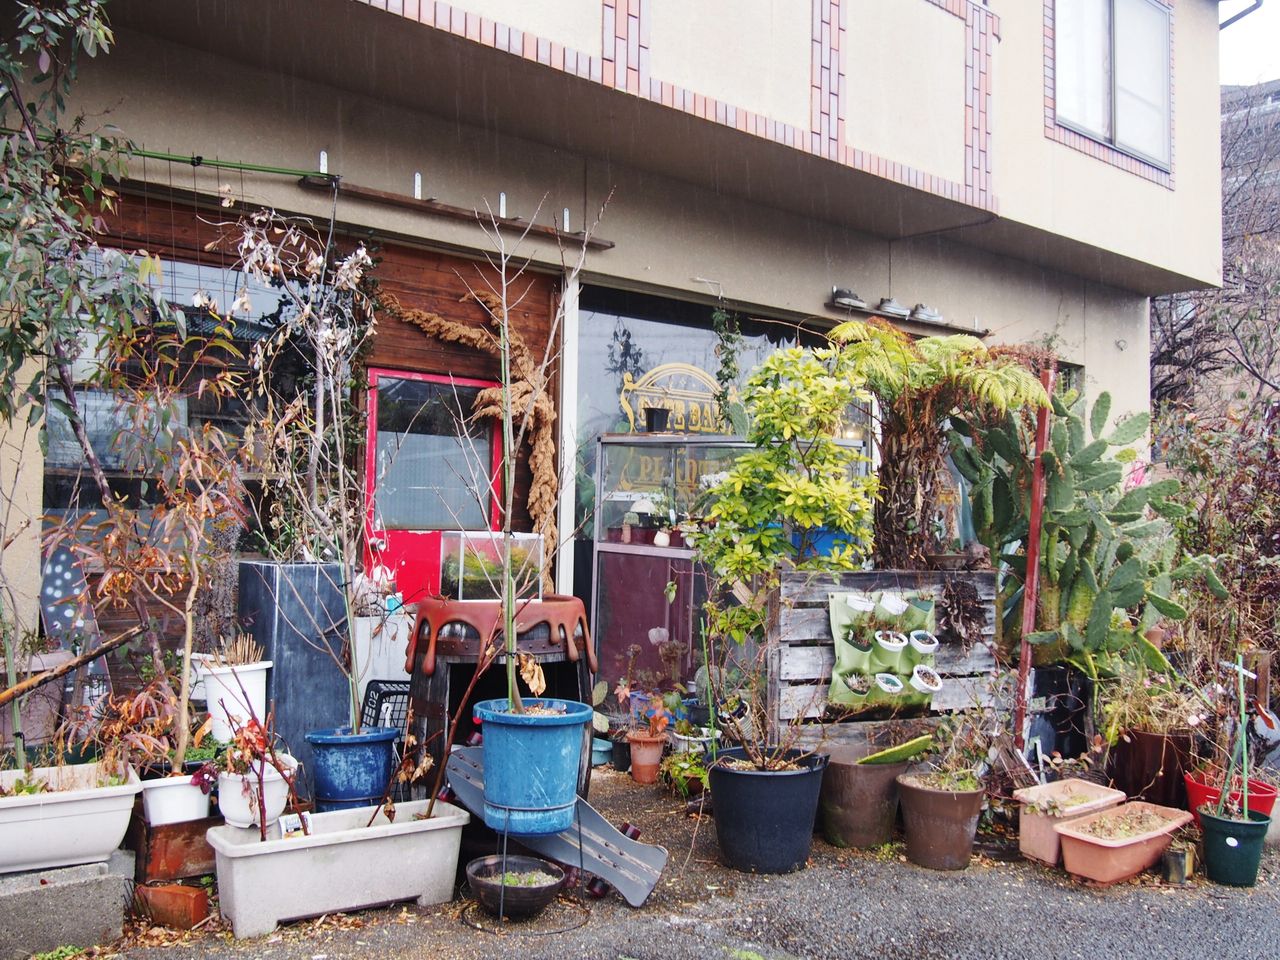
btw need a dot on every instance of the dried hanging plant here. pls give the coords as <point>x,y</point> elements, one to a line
<point>962,614</point>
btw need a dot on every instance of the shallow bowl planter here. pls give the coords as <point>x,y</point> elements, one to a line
<point>351,769</point>
<point>238,795</point>
<point>77,822</point>
<point>173,799</point>
<point>342,865</point>
<point>1112,859</point>
<point>1233,848</point>
<point>764,818</point>
<point>1049,804</point>
<point>233,695</point>
<point>484,876</point>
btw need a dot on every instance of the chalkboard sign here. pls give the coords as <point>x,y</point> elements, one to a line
<point>295,611</point>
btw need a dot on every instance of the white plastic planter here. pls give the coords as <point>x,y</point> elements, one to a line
<point>696,744</point>
<point>342,865</point>
<point>173,800</point>
<point>925,679</point>
<point>77,822</point>
<point>888,683</point>
<point>200,662</point>
<point>893,605</point>
<point>235,693</point>
<point>860,602</point>
<point>238,795</point>
<point>924,643</point>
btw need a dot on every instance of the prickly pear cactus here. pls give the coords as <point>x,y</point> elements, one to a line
<point>1106,571</point>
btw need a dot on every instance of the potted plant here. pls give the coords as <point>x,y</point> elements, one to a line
<point>256,780</point>
<point>312,591</point>
<point>648,743</point>
<point>1234,832</point>
<point>942,802</point>
<point>685,773</point>
<point>763,510</point>
<point>234,678</point>
<point>1118,843</point>
<point>1044,806</point>
<point>514,886</point>
<point>859,798</point>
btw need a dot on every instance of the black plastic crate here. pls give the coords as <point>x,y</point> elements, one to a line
<point>386,703</point>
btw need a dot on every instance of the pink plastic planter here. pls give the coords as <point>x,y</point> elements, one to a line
<point>1110,861</point>
<point>1036,837</point>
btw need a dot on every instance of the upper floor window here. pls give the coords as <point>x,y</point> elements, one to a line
<point>1112,62</point>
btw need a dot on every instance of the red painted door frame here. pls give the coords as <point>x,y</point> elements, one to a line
<point>413,556</point>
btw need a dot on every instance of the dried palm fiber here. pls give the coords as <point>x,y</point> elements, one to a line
<point>532,410</point>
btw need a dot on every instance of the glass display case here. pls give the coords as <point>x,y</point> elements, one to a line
<point>647,594</point>
<point>471,565</point>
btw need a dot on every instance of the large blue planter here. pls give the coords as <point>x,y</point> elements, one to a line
<point>351,770</point>
<point>531,765</point>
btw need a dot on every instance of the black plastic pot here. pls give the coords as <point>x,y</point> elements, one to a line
<point>655,419</point>
<point>621,756</point>
<point>859,800</point>
<point>764,818</point>
<point>940,824</point>
<point>1233,848</point>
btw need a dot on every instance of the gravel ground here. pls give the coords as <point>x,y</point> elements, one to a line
<point>846,904</point>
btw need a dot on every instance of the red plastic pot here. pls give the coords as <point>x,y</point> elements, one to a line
<point>1262,796</point>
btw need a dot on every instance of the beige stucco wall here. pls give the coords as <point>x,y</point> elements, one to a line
<point>1041,182</point>
<point>21,491</point>
<point>670,236</point>
<point>575,23</point>
<point>752,54</point>
<point>917,51</point>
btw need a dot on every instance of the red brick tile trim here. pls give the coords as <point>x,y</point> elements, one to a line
<point>827,80</point>
<point>980,26</point>
<point>1095,148</point>
<point>625,66</point>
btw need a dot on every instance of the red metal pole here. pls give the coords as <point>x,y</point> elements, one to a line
<point>1031,586</point>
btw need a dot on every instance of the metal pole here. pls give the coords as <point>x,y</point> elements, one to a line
<point>1031,585</point>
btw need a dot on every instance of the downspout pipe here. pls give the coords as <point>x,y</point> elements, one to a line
<point>1257,4</point>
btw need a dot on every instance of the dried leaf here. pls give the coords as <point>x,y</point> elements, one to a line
<point>531,674</point>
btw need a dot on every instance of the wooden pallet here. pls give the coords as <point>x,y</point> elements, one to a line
<point>801,653</point>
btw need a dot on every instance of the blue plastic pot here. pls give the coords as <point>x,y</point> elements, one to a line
<point>351,770</point>
<point>531,765</point>
<point>601,751</point>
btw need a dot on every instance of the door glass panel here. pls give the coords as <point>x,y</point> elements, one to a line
<point>434,461</point>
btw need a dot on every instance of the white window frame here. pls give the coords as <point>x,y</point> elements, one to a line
<point>1113,141</point>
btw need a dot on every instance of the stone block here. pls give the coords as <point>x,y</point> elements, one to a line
<point>42,910</point>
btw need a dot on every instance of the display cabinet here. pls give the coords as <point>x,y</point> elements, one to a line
<point>647,594</point>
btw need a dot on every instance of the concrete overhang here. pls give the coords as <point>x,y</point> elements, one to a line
<point>353,47</point>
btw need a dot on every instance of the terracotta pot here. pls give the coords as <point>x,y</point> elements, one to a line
<point>940,824</point>
<point>1107,860</point>
<point>1049,804</point>
<point>1151,767</point>
<point>646,755</point>
<point>859,801</point>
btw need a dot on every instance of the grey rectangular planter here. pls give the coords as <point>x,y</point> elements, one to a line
<point>343,865</point>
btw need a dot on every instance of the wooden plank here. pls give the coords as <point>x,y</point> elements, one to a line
<point>798,589</point>
<point>809,700</point>
<point>815,662</point>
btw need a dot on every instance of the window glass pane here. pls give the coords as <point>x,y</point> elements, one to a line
<point>429,469</point>
<point>1082,64</point>
<point>1142,78</point>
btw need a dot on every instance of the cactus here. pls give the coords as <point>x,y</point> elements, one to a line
<point>1104,550</point>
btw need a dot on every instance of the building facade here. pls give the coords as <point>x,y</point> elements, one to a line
<point>1031,170</point>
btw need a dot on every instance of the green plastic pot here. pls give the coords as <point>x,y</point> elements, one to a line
<point>1233,848</point>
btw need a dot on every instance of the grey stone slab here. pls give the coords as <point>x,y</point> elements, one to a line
<point>84,905</point>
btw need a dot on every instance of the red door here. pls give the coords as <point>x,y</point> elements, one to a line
<point>429,467</point>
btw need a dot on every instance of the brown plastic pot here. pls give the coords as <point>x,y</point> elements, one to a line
<point>646,756</point>
<point>940,824</point>
<point>859,801</point>
<point>1151,767</point>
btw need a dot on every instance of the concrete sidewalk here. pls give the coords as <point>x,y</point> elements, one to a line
<point>846,905</point>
